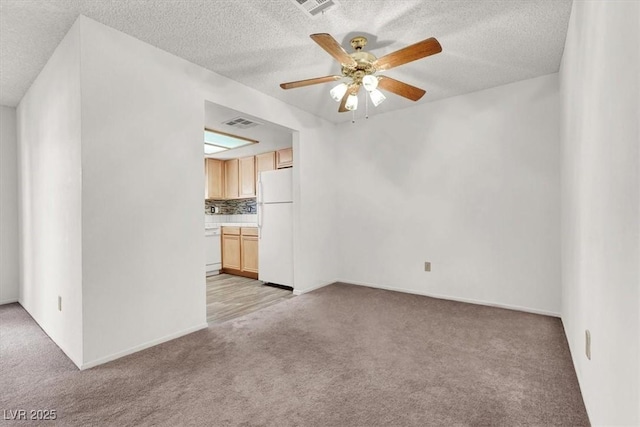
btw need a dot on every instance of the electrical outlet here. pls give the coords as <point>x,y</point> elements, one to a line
<point>59,303</point>
<point>587,343</point>
<point>427,266</point>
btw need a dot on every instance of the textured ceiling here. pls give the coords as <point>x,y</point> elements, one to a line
<point>262,44</point>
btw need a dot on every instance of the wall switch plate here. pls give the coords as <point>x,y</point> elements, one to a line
<point>587,343</point>
<point>427,266</point>
<point>59,303</point>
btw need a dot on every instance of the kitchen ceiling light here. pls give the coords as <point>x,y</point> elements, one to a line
<point>338,92</point>
<point>370,82</point>
<point>352,103</point>
<point>377,97</point>
<point>212,149</point>
<point>216,141</point>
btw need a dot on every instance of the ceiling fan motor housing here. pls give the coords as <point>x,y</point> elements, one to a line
<point>363,67</point>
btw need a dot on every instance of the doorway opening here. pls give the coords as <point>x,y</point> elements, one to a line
<point>248,173</point>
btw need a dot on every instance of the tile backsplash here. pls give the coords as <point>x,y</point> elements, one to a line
<point>232,207</point>
<point>221,219</point>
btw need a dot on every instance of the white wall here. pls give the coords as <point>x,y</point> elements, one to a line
<point>142,118</point>
<point>9,277</point>
<point>470,184</point>
<point>600,205</point>
<point>50,204</point>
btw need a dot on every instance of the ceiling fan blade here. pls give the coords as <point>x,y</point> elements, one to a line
<point>422,49</point>
<point>342,108</point>
<point>309,82</point>
<point>333,48</point>
<point>400,88</point>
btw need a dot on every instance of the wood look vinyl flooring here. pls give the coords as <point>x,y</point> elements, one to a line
<point>230,296</point>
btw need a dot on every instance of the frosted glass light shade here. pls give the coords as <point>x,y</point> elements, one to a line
<point>370,83</point>
<point>338,92</point>
<point>212,149</point>
<point>377,97</point>
<point>352,103</point>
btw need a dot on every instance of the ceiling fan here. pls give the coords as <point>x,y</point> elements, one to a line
<point>359,69</point>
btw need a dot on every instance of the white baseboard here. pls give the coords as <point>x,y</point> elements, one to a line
<point>453,298</point>
<point>313,288</point>
<point>143,346</point>
<point>8,301</point>
<point>76,360</point>
<point>574,355</point>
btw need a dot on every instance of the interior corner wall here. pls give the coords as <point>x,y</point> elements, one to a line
<point>9,260</point>
<point>600,100</point>
<point>49,165</point>
<point>143,245</point>
<point>470,184</point>
<point>316,260</point>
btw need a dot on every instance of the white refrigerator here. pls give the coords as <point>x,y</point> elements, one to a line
<point>275,227</point>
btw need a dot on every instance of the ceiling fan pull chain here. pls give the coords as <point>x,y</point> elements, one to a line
<point>366,106</point>
<point>353,116</point>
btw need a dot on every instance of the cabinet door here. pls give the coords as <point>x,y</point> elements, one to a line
<point>215,176</point>
<point>250,254</point>
<point>231,179</point>
<point>265,162</point>
<point>231,251</point>
<point>247,177</point>
<point>206,180</point>
<point>284,158</point>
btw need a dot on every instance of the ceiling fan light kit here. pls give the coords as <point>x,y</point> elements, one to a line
<point>369,82</point>
<point>338,92</point>
<point>376,97</point>
<point>352,102</point>
<point>359,69</point>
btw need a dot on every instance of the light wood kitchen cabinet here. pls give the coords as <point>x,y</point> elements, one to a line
<point>231,185</point>
<point>231,252</point>
<point>265,162</point>
<point>247,177</point>
<point>240,251</point>
<point>284,158</point>
<point>236,178</point>
<point>249,251</point>
<point>214,173</point>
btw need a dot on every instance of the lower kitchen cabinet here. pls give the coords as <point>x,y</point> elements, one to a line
<point>249,252</point>
<point>230,252</point>
<point>240,251</point>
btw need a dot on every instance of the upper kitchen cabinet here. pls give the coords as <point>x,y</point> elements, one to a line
<point>284,158</point>
<point>214,183</point>
<point>231,184</point>
<point>236,178</point>
<point>265,162</point>
<point>247,177</point>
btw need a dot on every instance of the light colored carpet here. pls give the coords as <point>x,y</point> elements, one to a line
<point>340,356</point>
